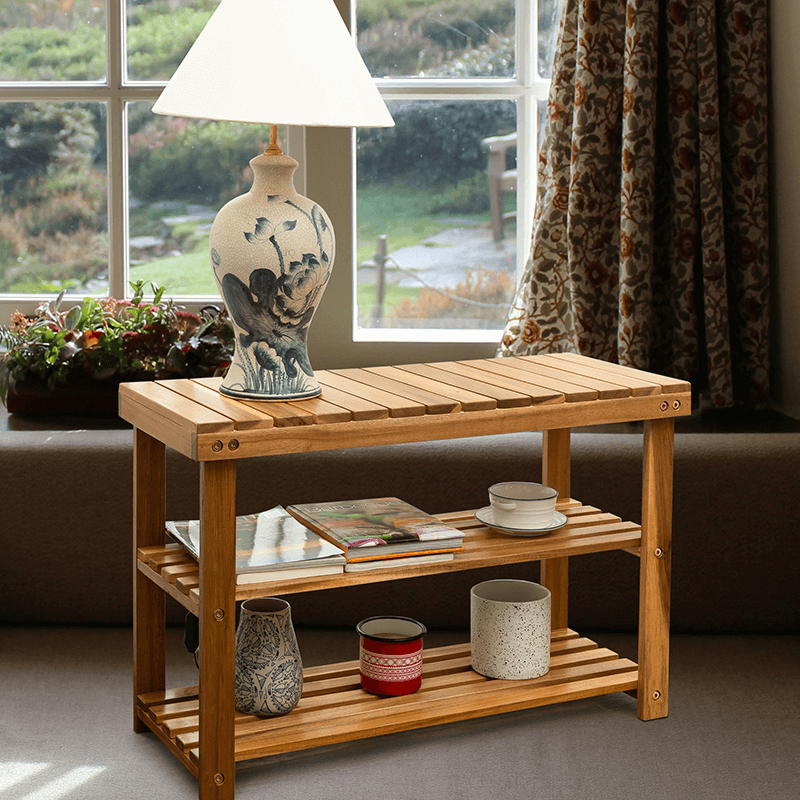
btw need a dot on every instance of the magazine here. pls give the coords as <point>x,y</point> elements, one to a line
<point>269,546</point>
<point>378,528</point>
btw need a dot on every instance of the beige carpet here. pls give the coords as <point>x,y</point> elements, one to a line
<point>733,732</point>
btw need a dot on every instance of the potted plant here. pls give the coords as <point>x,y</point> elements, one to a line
<point>72,361</point>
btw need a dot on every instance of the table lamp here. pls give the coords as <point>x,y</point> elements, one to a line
<point>289,62</point>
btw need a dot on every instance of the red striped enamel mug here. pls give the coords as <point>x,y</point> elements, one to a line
<point>391,655</point>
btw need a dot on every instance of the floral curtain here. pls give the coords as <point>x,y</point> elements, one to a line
<point>650,241</point>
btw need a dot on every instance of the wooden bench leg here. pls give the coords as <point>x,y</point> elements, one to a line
<point>216,769</point>
<point>149,601</point>
<point>556,473</point>
<point>654,570</point>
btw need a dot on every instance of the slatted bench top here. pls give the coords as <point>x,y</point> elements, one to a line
<point>405,403</point>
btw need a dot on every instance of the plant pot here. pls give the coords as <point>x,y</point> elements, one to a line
<point>86,398</point>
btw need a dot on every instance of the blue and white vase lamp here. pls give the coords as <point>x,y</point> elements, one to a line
<point>272,251</point>
<point>273,62</point>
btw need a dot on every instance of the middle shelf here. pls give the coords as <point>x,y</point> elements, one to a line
<point>588,530</point>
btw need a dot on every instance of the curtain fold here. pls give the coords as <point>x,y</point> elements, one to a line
<point>650,241</point>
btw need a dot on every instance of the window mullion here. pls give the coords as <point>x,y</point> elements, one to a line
<point>115,127</point>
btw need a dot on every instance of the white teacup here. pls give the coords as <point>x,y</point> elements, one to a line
<point>521,505</point>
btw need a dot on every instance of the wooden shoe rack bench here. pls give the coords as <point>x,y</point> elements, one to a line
<point>386,405</point>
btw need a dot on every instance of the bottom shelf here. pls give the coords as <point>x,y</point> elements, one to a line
<point>335,709</point>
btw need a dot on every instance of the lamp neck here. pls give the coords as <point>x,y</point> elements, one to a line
<point>272,175</point>
<point>273,149</point>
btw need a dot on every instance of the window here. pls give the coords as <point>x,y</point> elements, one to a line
<point>96,191</point>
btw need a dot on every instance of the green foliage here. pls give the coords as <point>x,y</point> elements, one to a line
<point>432,142</point>
<point>201,161</point>
<point>468,196</point>
<point>50,54</point>
<point>44,147</point>
<point>159,37</point>
<point>412,37</point>
<point>108,339</point>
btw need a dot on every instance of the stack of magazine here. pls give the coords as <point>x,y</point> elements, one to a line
<point>313,539</point>
<point>271,545</point>
<point>375,533</point>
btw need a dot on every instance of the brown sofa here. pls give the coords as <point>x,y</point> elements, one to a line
<point>67,502</point>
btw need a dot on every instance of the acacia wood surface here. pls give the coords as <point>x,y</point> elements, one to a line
<point>149,610</point>
<point>393,404</point>
<point>654,569</point>
<point>588,530</point>
<point>334,708</point>
<point>386,405</point>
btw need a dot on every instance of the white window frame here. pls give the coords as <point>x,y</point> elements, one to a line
<point>327,174</point>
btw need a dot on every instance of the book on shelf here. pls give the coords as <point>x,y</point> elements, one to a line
<point>271,545</point>
<point>378,528</point>
<point>400,561</point>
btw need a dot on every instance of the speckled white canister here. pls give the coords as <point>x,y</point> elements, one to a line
<point>510,629</point>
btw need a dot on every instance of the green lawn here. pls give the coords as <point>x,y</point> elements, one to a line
<point>189,273</point>
<point>400,212</point>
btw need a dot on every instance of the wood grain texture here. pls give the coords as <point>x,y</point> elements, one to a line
<point>149,612</point>
<point>205,391</point>
<point>503,398</point>
<point>375,379</point>
<point>634,384</point>
<point>395,405</point>
<point>556,474</point>
<point>654,569</point>
<point>668,385</point>
<point>217,627</point>
<point>588,530</point>
<point>335,709</point>
<point>388,405</point>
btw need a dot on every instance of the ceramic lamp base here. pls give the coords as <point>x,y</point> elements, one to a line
<point>272,251</point>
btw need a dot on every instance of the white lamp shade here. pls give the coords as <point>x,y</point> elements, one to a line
<point>287,62</point>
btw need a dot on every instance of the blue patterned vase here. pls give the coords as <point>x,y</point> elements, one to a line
<point>269,671</point>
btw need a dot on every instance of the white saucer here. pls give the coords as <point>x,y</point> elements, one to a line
<point>486,516</point>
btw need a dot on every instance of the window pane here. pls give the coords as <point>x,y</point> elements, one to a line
<point>424,215</point>
<point>53,41</point>
<point>160,33</point>
<point>53,197</point>
<point>548,29</point>
<point>449,38</point>
<point>181,172</point>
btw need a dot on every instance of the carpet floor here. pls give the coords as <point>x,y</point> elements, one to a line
<point>733,732</point>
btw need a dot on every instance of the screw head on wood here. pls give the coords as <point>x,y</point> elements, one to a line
<point>656,695</point>
<point>219,614</point>
<point>217,446</point>
<point>676,404</point>
<point>233,444</point>
<point>219,779</point>
<point>664,406</point>
<point>658,552</point>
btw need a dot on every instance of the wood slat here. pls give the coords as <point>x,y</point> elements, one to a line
<point>538,395</point>
<point>468,400</point>
<point>335,709</point>
<point>168,403</point>
<point>542,368</point>
<point>634,384</point>
<point>323,411</point>
<point>284,415</point>
<point>359,408</point>
<point>396,406</point>
<point>205,392</point>
<point>588,529</point>
<point>504,398</point>
<point>434,403</point>
<point>572,392</point>
<point>667,384</point>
